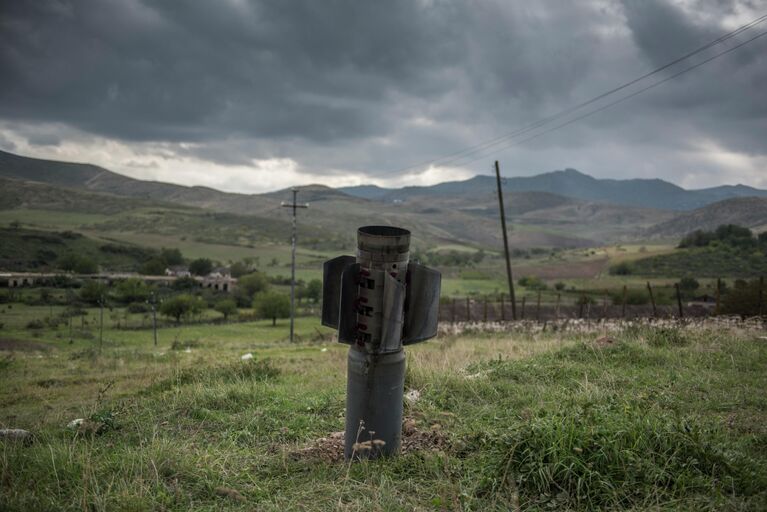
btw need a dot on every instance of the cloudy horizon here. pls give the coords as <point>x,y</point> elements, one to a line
<point>254,96</point>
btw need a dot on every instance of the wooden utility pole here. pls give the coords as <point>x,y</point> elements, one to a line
<point>679,300</point>
<point>294,205</point>
<point>505,242</point>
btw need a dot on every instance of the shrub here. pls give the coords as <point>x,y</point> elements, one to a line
<point>137,307</point>
<point>35,324</point>
<point>620,269</point>
<point>532,283</point>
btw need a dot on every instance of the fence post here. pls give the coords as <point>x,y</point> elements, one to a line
<point>468,309</point>
<point>604,305</point>
<point>538,308</point>
<point>625,297</point>
<point>679,300</point>
<point>484,311</point>
<point>761,295</point>
<point>652,300</point>
<point>581,303</point>
<point>452,315</point>
<point>503,313</point>
<point>718,294</point>
<point>559,295</point>
<point>523,307</point>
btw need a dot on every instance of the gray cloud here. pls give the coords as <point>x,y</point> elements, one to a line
<point>368,88</point>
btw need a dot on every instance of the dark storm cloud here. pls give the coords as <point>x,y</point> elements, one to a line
<point>372,87</point>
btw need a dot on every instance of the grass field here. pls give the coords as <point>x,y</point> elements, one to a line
<point>653,418</point>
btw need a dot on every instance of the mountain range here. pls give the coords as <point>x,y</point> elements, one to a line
<point>557,209</point>
<point>644,193</point>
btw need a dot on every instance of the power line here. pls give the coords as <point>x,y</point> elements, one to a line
<point>457,156</point>
<point>621,100</point>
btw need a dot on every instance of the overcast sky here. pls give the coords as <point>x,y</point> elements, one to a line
<point>252,96</point>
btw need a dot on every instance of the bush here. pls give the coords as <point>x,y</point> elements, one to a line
<point>559,286</point>
<point>138,307</point>
<point>532,283</point>
<point>620,269</point>
<point>35,324</point>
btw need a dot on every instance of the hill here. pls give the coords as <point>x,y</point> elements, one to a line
<point>750,212</point>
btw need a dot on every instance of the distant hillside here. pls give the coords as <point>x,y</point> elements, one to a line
<point>645,193</point>
<point>98,179</point>
<point>37,250</point>
<point>750,212</point>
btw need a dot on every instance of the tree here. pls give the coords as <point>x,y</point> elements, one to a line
<point>239,269</point>
<point>249,285</point>
<point>92,292</point>
<point>226,307</point>
<point>185,283</point>
<point>314,290</point>
<point>171,257</point>
<point>272,305</point>
<point>181,306</point>
<point>132,290</point>
<point>153,267</point>
<point>201,267</point>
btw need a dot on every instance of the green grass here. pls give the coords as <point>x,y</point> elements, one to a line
<point>670,419</point>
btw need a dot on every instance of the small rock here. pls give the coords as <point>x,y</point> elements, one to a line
<point>188,350</point>
<point>247,356</point>
<point>16,434</point>
<point>413,395</point>
<point>324,349</point>
<point>74,424</point>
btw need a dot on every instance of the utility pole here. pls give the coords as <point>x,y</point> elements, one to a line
<point>506,243</point>
<point>293,205</point>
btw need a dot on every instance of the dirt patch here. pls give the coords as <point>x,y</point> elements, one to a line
<point>604,341</point>
<point>23,345</point>
<point>331,448</point>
